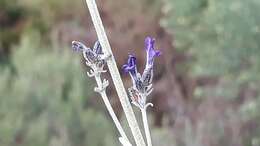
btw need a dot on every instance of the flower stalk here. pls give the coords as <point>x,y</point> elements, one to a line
<point>96,60</point>
<point>146,126</point>
<point>142,84</point>
<point>123,139</point>
<point>101,54</point>
<point>102,37</point>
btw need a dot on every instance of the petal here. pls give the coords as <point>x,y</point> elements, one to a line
<point>151,53</point>
<point>131,68</point>
<point>157,53</point>
<point>78,46</point>
<point>131,64</point>
<point>127,68</point>
<point>131,60</point>
<point>97,48</point>
<point>149,43</point>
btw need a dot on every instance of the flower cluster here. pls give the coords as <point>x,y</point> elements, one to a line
<point>93,56</point>
<point>95,59</point>
<point>142,84</point>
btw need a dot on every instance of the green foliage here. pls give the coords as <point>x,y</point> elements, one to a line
<point>10,14</point>
<point>43,99</point>
<point>18,16</point>
<point>223,36</point>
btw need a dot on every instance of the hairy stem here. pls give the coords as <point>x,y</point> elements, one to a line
<point>146,127</point>
<point>111,112</point>
<point>115,73</point>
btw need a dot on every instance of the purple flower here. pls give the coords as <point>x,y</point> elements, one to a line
<point>147,75</point>
<point>131,65</point>
<point>142,85</point>
<point>131,68</point>
<point>92,56</point>
<point>150,52</point>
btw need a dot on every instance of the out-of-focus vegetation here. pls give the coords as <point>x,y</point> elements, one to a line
<point>44,99</point>
<point>212,98</point>
<point>44,92</point>
<point>223,39</point>
<point>223,35</point>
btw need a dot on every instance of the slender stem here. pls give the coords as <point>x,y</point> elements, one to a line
<point>146,127</point>
<point>111,111</point>
<point>115,73</point>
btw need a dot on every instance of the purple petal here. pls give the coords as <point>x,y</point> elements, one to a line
<point>149,43</point>
<point>127,68</point>
<point>158,53</point>
<point>151,53</point>
<point>97,48</point>
<point>78,46</point>
<point>131,64</point>
<point>131,68</point>
<point>131,60</point>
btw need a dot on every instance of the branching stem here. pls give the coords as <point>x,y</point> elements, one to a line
<point>111,112</point>
<point>115,73</point>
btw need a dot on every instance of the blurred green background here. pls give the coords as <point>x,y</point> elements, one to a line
<point>207,81</point>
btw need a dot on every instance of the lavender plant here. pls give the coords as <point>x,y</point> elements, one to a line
<point>100,55</point>
<point>96,60</point>
<point>142,84</point>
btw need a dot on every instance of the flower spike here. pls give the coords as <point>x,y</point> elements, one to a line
<point>142,85</point>
<point>147,75</point>
<point>93,56</point>
<point>96,59</point>
<point>131,68</point>
<point>130,116</point>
